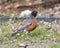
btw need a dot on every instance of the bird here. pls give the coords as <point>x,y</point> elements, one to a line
<point>30,24</point>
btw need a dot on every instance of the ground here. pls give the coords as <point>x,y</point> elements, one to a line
<point>38,38</point>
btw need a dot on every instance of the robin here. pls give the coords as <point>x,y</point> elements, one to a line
<point>29,25</point>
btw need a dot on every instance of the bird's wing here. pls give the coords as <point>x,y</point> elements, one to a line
<point>27,23</point>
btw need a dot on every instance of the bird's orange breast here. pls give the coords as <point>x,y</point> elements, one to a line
<point>33,25</point>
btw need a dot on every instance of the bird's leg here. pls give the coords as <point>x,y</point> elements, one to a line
<point>27,34</point>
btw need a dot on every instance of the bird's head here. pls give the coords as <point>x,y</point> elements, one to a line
<point>34,13</point>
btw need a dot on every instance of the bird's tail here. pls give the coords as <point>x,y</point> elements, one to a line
<point>18,31</point>
<point>13,34</point>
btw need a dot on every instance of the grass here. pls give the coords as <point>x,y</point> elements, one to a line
<point>37,35</point>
